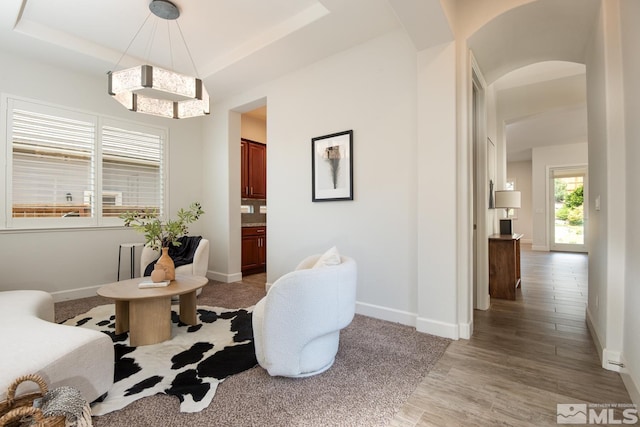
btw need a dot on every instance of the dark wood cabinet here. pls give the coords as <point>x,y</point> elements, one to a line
<point>504,265</point>
<point>254,250</point>
<point>253,169</point>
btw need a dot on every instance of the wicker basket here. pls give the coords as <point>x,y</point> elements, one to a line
<point>15,408</point>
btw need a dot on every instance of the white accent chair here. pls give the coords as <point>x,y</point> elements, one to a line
<point>198,268</point>
<point>62,355</point>
<point>296,326</point>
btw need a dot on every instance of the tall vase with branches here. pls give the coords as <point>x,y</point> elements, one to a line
<point>159,234</point>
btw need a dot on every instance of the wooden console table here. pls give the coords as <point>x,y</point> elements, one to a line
<point>504,265</point>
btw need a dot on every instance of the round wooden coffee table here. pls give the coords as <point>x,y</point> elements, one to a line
<point>146,312</point>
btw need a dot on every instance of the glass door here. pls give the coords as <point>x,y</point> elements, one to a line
<point>568,217</point>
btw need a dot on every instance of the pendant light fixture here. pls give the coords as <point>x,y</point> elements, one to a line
<point>154,90</point>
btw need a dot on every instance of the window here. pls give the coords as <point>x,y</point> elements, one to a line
<point>59,158</point>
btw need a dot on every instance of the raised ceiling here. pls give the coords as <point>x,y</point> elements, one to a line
<point>539,31</point>
<point>241,43</point>
<point>538,44</point>
<point>233,43</point>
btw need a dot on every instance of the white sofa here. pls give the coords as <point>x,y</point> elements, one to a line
<point>296,326</point>
<point>63,355</point>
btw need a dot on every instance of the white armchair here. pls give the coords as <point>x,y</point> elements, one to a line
<point>199,266</point>
<point>296,326</point>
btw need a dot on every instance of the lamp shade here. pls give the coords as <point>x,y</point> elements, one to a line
<point>507,199</point>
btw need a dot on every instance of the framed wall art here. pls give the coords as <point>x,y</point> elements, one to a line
<point>332,167</point>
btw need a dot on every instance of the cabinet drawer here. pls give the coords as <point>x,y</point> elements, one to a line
<point>253,231</point>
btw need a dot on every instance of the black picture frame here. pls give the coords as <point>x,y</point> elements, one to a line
<point>332,167</point>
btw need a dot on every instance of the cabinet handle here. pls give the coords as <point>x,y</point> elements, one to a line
<point>246,190</point>
<point>251,190</point>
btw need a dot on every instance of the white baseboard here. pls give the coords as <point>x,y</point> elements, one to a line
<point>631,382</point>
<point>90,291</point>
<point>223,277</point>
<point>595,337</point>
<point>484,303</point>
<point>612,360</point>
<point>540,248</point>
<point>385,313</point>
<point>427,326</point>
<point>466,330</point>
<point>436,327</point>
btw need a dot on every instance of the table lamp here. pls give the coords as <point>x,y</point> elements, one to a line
<point>507,199</point>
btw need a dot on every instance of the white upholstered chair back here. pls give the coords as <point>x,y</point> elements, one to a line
<point>199,266</point>
<point>296,326</point>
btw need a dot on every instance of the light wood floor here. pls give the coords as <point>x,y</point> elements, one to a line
<point>525,356</point>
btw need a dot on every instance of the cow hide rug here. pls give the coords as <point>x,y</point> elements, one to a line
<point>190,365</point>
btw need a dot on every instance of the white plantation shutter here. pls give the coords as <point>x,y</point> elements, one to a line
<point>131,170</point>
<point>52,161</point>
<point>59,159</point>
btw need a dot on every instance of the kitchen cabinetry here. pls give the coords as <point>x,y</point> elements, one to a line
<point>504,265</point>
<point>254,250</point>
<point>253,169</point>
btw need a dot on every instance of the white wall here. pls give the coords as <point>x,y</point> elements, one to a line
<point>436,190</point>
<point>63,260</point>
<point>544,158</point>
<point>521,172</point>
<point>371,89</point>
<point>468,16</point>
<point>221,192</point>
<point>629,12</point>
<point>607,182</point>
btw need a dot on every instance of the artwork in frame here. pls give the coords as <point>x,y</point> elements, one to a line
<point>332,167</point>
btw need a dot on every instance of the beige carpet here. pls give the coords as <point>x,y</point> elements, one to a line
<point>378,366</point>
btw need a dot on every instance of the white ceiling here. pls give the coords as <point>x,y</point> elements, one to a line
<point>542,30</point>
<point>242,43</point>
<point>234,44</point>
<point>553,127</point>
<point>538,43</point>
<point>547,103</point>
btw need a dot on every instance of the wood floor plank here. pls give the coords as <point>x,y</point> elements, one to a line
<point>524,358</point>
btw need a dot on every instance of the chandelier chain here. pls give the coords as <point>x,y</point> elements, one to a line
<point>151,41</point>
<point>170,46</point>
<point>193,64</point>
<point>131,42</point>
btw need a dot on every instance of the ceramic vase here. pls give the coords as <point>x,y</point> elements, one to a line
<point>167,264</point>
<point>158,274</point>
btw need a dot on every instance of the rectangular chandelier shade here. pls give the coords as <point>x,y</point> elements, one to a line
<point>153,90</point>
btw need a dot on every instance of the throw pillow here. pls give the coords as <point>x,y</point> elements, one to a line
<point>330,257</point>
